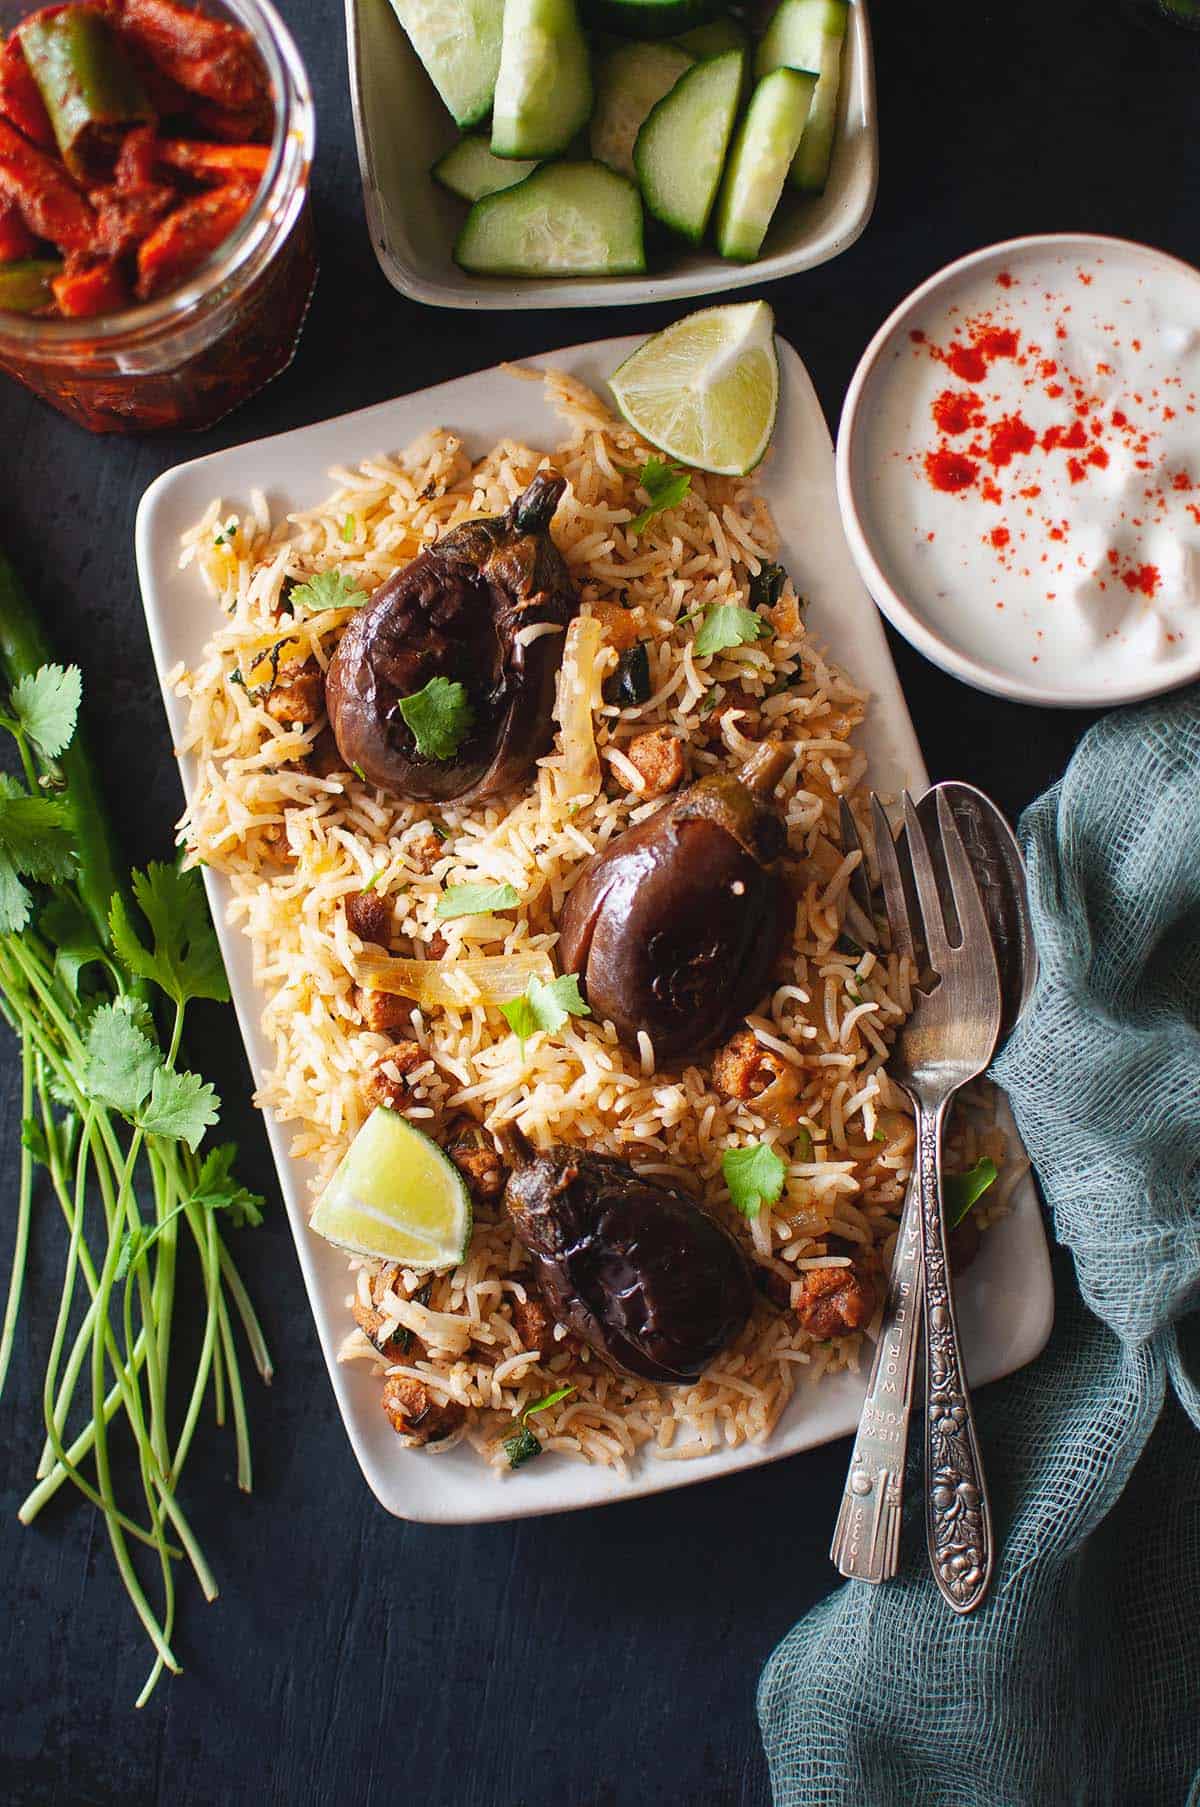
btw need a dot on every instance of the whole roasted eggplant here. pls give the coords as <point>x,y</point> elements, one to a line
<point>460,611</point>
<point>675,927</point>
<point>648,1279</point>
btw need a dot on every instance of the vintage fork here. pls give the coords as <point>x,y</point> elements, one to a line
<point>947,1041</point>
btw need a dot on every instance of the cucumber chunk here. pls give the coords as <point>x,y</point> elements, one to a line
<point>469,170</point>
<point>544,88</point>
<point>714,38</point>
<point>680,150</point>
<point>630,81</point>
<point>567,219</point>
<point>458,41</point>
<point>759,162</point>
<point>809,34</point>
<point>651,18</point>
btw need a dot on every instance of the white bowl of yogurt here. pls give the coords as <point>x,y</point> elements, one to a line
<point>1018,469</point>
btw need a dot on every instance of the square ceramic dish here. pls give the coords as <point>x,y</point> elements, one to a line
<point>1005,1298</point>
<point>401,127</point>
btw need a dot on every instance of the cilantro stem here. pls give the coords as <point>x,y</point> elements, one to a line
<point>24,1213</point>
<point>204,1365</point>
<point>121,1163</point>
<point>246,1312</point>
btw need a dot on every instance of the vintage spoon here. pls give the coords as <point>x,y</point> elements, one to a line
<point>866,1543</point>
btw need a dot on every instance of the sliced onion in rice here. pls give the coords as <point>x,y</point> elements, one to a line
<point>490,979</point>
<point>580,681</point>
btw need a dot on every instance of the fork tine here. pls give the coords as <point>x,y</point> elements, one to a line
<point>972,917</point>
<point>860,918</point>
<point>927,890</point>
<point>893,885</point>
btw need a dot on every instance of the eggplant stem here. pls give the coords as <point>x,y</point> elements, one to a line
<point>514,1147</point>
<point>765,767</point>
<point>534,508</point>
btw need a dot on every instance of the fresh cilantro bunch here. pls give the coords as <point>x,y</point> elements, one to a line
<point>98,973</point>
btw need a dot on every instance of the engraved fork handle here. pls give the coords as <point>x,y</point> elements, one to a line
<point>866,1541</point>
<point>958,1520</point>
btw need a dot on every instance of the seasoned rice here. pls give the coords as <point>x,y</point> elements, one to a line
<point>832,1017</point>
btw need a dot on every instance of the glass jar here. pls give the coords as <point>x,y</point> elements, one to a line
<point>188,357</point>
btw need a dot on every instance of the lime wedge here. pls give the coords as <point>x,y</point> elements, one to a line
<point>705,390</point>
<point>397,1196</point>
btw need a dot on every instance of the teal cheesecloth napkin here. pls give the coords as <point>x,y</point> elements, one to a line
<point>1078,1681</point>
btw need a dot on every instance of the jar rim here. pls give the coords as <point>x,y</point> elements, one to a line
<point>291,157</point>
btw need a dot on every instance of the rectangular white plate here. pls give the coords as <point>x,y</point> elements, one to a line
<point>1006,1300</point>
<point>401,127</point>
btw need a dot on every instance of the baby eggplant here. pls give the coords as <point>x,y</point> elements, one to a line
<point>674,929</point>
<point>648,1279</point>
<point>462,612</point>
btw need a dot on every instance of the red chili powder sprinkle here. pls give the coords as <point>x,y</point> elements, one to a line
<point>1034,490</point>
<point>957,411</point>
<point>1005,279</point>
<point>999,537</point>
<point>917,336</point>
<point>950,471</point>
<point>966,362</point>
<point>1119,418</point>
<point>1099,457</point>
<point>1075,470</point>
<point>991,491</point>
<point>1009,437</point>
<point>996,342</point>
<point>1181,480</point>
<point>1141,577</point>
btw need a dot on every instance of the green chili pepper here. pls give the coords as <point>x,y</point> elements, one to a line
<point>23,648</point>
<point>25,284</point>
<point>91,89</point>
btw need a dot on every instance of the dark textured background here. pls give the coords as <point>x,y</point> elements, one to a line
<point>604,1658</point>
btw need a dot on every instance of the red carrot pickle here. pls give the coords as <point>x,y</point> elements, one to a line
<point>135,135</point>
<point>189,235</point>
<point>107,153</point>
<point>16,240</point>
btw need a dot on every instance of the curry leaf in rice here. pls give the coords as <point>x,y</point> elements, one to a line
<point>961,1191</point>
<point>475,900</point>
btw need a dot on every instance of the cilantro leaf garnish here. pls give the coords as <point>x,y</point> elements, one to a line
<point>666,485</point>
<point>439,717</point>
<point>523,1446</point>
<point>475,900</point>
<point>181,1106</point>
<point>328,590</point>
<point>962,1190</point>
<point>46,703</point>
<point>544,1006</point>
<point>728,625</point>
<point>217,1188</point>
<point>123,1068</point>
<point>73,938</point>
<point>754,1175</point>
<point>766,586</point>
<point>120,1060</point>
<point>184,958</point>
<point>34,842</point>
